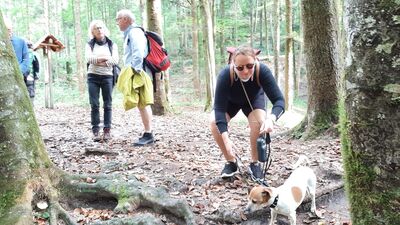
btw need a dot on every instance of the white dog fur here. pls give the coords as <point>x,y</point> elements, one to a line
<point>286,198</point>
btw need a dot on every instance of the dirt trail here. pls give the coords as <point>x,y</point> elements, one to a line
<point>186,162</point>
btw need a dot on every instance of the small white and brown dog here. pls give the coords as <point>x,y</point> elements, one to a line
<point>286,198</point>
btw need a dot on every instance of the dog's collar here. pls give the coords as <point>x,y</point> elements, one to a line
<point>273,205</point>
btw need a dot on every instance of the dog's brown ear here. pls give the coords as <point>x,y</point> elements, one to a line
<point>266,194</point>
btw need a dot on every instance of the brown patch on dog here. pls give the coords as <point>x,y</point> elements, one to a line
<point>297,194</point>
<point>266,194</point>
<point>259,195</point>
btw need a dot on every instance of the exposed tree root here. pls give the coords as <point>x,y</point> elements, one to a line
<point>138,220</point>
<point>130,195</point>
<point>58,212</point>
<point>306,131</point>
<point>127,195</point>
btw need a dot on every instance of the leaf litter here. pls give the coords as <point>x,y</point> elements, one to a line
<point>184,160</point>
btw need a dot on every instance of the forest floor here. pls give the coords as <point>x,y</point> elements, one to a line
<point>187,163</point>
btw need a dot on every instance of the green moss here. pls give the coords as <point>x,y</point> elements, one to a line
<point>298,130</point>
<point>322,122</point>
<point>9,219</point>
<point>385,48</point>
<point>388,4</point>
<point>121,191</point>
<point>8,196</point>
<point>366,203</point>
<point>47,165</point>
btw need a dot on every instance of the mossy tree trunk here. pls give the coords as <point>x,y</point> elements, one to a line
<point>371,119</point>
<point>322,65</point>
<point>27,175</point>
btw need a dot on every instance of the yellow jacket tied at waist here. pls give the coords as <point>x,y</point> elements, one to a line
<point>137,88</point>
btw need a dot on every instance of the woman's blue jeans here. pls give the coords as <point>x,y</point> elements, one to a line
<point>105,84</point>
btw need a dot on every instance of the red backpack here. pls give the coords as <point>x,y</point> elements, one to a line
<point>157,59</point>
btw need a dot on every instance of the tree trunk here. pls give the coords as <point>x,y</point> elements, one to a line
<point>289,57</point>
<point>298,58</point>
<point>195,48</point>
<point>48,78</point>
<point>161,105</point>
<point>222,31</point>
<point>321,53</point>
<point>276,38</point>
<point>265,19</point>
<point>143,13</point>
<point>236,7</point>
<point>27,174</point>
<point>371,121</point>
<point>210,55</point>
<point>252,19</point>
<point>78,47</point>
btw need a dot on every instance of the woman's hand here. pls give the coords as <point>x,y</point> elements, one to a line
<point>103,58</point>
<point>268,124</point>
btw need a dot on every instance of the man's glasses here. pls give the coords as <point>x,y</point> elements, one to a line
<point>249,66</point>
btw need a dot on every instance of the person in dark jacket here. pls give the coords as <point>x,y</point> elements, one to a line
<point>244,91</point>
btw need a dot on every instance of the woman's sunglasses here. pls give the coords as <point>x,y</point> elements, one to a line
<point>248,66</point>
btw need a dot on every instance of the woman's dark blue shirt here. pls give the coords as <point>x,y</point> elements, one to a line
<point>227,93</point>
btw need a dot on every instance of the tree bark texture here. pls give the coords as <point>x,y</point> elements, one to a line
<point>321,56</point>
<point>78,47</point>
<point>289,80</point>
<point>276,39</point>
<point>161,104</point>
<point>195,47</point>
<point>371,120</point>
<point>20,140</point>
<point>210,53</point>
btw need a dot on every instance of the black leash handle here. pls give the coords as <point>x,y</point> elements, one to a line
<point>267,139</point>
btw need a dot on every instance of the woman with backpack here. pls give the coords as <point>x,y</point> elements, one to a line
<point>241,86</point>
<point>101,55</point>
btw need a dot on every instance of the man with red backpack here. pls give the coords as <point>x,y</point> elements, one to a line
<point>135,50</point>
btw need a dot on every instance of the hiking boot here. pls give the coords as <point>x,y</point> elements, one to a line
<point>146,139</point>
<point>96,136</point>
<point>230,169</point>
<point>106,134</point>
<point>255,171</point>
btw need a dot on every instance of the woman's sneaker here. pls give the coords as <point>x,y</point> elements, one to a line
<point>255,171</point>
<point>230,169</point>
